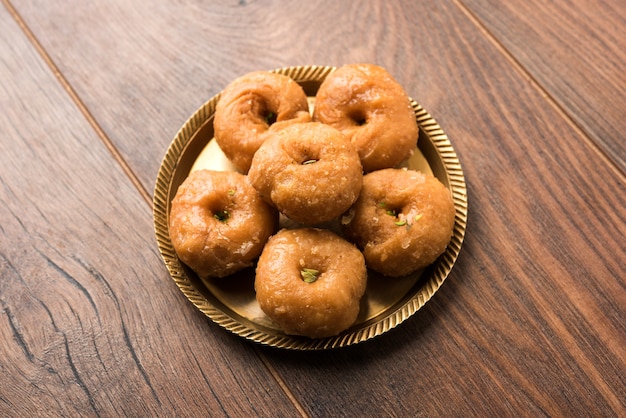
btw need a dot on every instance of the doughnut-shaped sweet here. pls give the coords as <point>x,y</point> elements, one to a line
<point>372,109</point>
<point>309,171</point>
<point>249,106</point>
<point>310,282</point>
<point>218,223</point>
<point>403,220</point>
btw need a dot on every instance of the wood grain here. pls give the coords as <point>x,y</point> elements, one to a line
<point>514,329</point>
<point>576,51</point>
<point>531,320</point>
<point>87,323</point>
<point>170,58</point>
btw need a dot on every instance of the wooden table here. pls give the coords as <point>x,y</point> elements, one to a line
<point>530,322</point>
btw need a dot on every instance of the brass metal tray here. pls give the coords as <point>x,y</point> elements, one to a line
<point>231,302</point>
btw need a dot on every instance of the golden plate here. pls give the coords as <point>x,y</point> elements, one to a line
<point>231,303</point>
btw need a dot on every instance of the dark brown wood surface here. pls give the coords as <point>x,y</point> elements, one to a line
<point>530,321</point>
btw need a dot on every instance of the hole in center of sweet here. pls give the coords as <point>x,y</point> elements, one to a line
<point>221,215</point>
<point>394,212</point>
<point>269,117</point>
<point>358,118</point>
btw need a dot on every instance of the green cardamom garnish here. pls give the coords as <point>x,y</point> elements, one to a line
<point>309,275</point>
